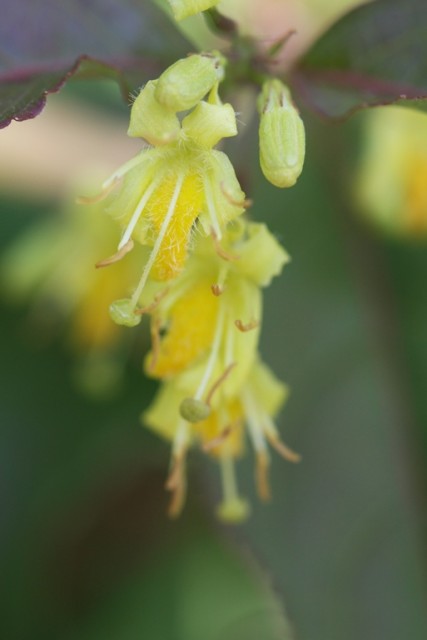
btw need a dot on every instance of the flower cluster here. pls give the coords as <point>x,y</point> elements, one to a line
<point>204,268</point>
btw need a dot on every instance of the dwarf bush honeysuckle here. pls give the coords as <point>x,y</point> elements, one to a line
<point>204,266</point>
<point>180,185</point>
<point>213,381</point>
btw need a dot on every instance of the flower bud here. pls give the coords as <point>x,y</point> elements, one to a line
<point>188,80</point>
<point>184,8</point>
<point>151,120</point>
<point>281,135</point>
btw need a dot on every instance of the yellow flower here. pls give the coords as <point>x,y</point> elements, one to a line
<point>211,316</point>
<point>222,435</point>
<point>173,190</point>
<point>391,185</point>
<point>212,311</point>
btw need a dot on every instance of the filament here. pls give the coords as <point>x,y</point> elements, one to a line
<point>159,240</point>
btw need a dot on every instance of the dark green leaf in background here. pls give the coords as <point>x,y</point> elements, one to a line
<point>375,55</point>
<point>45,42</point>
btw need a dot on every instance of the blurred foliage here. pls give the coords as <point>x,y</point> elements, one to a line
<point>47,42</point>
<point>374,55</point>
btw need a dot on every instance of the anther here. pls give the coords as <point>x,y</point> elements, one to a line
<point>245,203</point>
<point>253,324</point>
<point>220,251</point>
<point>217,289</point>
<point>285,451</point>
<point>98,197</point>
<point>176,484</point>
<point>153,305</point>
<point>155,342</point>
<point>218,440</point>
<point>116,256</point>
<point>262,482</point>
<point>219,382</point>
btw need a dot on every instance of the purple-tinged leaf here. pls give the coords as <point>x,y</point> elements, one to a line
<point>375,55</point>
<point>45,42</point>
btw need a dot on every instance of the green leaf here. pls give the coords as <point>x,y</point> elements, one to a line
<point>47,42</point>
<point>375,55</point>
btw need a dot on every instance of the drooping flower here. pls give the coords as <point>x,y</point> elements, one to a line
<point>178,187</point>
<point>211,316</point>
<point>222,434</point>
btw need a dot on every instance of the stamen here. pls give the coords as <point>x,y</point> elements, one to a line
<point>218,440</point>
<point>220,251</point>
<point>253,324</point>
<point>122,171</point>
<point>245,203</point>
<point>219,382</point>
<point>281,448</point>
<point>137,213</point>
<point>116,256</point>
<point>98,197</point>
<point>176,483</point>
<point>213,356</point>
<point>273,438</point>
<point>218,288</point>
<point>211,209</point>
<point>153,305</point>
<point>262,481</point>
<point>254,425</point>
<point>159,240</point>
<point>155,342</point>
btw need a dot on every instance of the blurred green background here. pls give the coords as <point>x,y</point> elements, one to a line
<point>87,551</point>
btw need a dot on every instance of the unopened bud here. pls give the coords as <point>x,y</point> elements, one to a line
<point>184,8</point>
<point>151,120</point>
<point>281,135</point>
<point>188,80</point>
<point>194,410</point>
<point>123,312</point>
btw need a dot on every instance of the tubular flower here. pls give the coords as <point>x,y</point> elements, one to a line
<point>391,185</point>
<point>211,316</point>
<point>222,435</point>
<point>176,187</point>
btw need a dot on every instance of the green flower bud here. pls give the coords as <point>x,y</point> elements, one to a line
<point>151,120</point>
<point>281,135</point>
<point>184,8</point>
<point>188,80</point>
<point>194,410</point>
<point>123,312</point>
